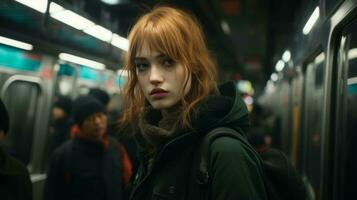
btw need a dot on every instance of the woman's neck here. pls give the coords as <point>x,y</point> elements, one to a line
<point>173,110</point>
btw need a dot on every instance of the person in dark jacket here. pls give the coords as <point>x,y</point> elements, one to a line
<point>61,121</point>
<point>15,183</point>
<point>172,101</point>
<point>90,166</point>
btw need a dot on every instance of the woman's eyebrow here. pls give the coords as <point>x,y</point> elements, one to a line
<point>161,55</point>
<point>139,59</point>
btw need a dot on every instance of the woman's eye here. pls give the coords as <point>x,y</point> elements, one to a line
<point>168,62</point>
<point>141,66</point>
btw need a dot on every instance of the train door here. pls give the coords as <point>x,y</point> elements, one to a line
<point>25,88</point>
<point>313,122</point>
<point>345,163</point>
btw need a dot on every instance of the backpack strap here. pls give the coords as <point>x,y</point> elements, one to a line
<point>202,171</point>
<point>203,175</point>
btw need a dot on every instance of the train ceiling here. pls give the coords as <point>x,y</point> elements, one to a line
<point>245,36</point>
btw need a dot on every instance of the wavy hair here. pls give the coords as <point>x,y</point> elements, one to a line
<point>178,35</point>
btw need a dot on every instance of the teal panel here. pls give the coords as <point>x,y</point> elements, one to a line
<point>18,59</point>
<point>352,89</point>
<point>66,70</point>
<point>88,73</point>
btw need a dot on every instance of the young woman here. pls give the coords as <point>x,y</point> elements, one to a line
<point>173,101</point>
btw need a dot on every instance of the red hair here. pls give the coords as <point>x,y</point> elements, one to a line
<point>178,35</point>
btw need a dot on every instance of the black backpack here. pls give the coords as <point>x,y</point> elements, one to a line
<point>280,177</point>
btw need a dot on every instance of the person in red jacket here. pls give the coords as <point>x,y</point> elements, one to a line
<point>92,165</point>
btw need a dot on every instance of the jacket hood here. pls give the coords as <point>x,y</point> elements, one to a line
<point>226,109</point>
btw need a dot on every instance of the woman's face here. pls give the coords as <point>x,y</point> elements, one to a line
<point>161,79</point>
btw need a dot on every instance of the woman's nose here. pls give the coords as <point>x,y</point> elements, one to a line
<point>156,75</point>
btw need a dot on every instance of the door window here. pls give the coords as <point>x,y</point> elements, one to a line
<point>21,98</point>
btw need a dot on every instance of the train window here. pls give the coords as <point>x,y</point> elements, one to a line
<point>21,99</point>
<point>347,172</point>
<point>313,124</point>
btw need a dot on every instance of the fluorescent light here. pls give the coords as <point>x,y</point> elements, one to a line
<point>39,5</point>
<point>225,27</point>
<point>81,61</point>
<point>15,43</point>
<point>55,8</point>
<point>248,100</point>
<point>72,19</point>
<point>120,42</point>
<point>320,58</point>
<point>311,22</point>
<point>99,32</point>
<point>279,65</point>
<point>111,2</point>
<point>352,81</point>
<point>274,77</point>
<point>286,56</point>
<point>352,53</point>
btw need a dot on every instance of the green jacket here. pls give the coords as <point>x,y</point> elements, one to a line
<point>235,172</point>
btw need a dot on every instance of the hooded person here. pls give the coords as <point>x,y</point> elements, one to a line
<point>90,165</point>
<point>172,98</point>
<point>14,178</point>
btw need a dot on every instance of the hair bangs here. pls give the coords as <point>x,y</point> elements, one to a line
<point>162,37</point>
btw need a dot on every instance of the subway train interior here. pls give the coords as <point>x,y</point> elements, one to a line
<point>296,59</point>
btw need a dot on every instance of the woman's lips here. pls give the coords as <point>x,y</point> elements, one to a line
<point>158,93</point>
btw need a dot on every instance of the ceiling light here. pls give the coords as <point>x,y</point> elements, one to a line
<point>225,27</point>
<point>274,77</point>
<point>352,53</point>
<point>311,22</point>
<point>81,61</point>
<point>279,65</point>
<point>99,32</point>
<point>248,100</point>
<point>55,8</point>
<point>320,58</point>
<point>15,43</point>
<point>39,5</point>
<point>286,56</point>
<point>72,19</point>
<point>120,42</point>
<point>111,2</point>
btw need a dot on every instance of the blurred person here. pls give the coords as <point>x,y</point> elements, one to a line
<point>91,166</point>
<point>15,183</point>
<point>113,128</point>
<point>61,121</point>
<point>172,101</point>
<point>100,95</point>
<point>258,139</point>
